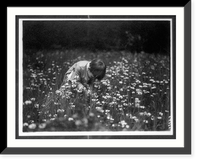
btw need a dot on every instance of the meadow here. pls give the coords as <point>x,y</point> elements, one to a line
<point>133,96</point>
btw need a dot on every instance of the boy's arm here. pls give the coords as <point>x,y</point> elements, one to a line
<point>71,74</point>
<point>74,75</point>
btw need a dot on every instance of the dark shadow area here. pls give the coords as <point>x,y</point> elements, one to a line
<point>134,36</point>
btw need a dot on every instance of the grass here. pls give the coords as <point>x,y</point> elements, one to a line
<point>133,96</point>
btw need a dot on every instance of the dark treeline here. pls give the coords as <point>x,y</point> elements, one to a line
<point>135,36</point>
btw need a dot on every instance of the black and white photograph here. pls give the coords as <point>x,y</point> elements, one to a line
<point>99,80</point>
<point>101,75</point>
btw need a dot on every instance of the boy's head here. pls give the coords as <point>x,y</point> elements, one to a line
<point>97,68</point>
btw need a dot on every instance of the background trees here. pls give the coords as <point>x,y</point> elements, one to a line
<point>134,36</point>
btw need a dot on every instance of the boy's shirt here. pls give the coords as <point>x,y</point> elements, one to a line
<point>79,73</point>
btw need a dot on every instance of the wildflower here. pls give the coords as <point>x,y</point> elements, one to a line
<point>141,107</point>
<point>107,111</point>
<point>25,124</point>
<point>137,102</point>
<point>96,86</point>
<point>125,104</point>
<point>146,91</point>
<point>145,85</point>
<point>45,82</point>
<point>126,78</point>
<point>133,84</point>
<point>60,110</point>
<point>114,125</point>
<point>73,85</point>
<point>55,103</point>
<point>107,96</point>
<point>32,126</point>
<point>98,103</point>
<point>112,103</point>
<point>141,113</point>
<point>99,109</point>
<point>154,87</point>
<point>109,88</point>
<point>94,100</point>
<point>159,117</point>
<point>145,121</point>
<point>152,80</point>
<point>32,99</point>
<point>160,113</point>
<point>70,119</point>
<point>123,123</point>
<point>109,117</point>
<point>33,75</point>
<point>139,91</point>
<point>42,125</point>
<point>166,82</point>
<point>137,81</point>
<point>143,73</point>
<point>31,121</point>
<point>78,122</point>
<point>36,106</point>
<point>169,122</point>
<point>91,114</point>
<point>148,114</point>
<point>28,102</point>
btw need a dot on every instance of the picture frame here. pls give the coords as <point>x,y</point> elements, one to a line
<point>135,150</point>
<point>145,21</point>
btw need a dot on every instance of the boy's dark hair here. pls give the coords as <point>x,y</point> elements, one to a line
<point>98,68</point>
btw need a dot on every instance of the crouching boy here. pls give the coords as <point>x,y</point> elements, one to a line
<point>83,75</point>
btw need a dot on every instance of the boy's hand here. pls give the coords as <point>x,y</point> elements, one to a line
<point>85,90</point>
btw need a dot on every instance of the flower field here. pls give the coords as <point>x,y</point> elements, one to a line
<point>133,96</point>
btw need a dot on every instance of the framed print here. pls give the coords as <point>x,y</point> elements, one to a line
<point>136,106</point>
<point>99,80</point>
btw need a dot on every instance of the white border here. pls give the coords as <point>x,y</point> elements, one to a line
<point>12,142</point>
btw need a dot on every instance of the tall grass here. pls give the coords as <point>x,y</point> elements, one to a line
<point>134,95</point>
